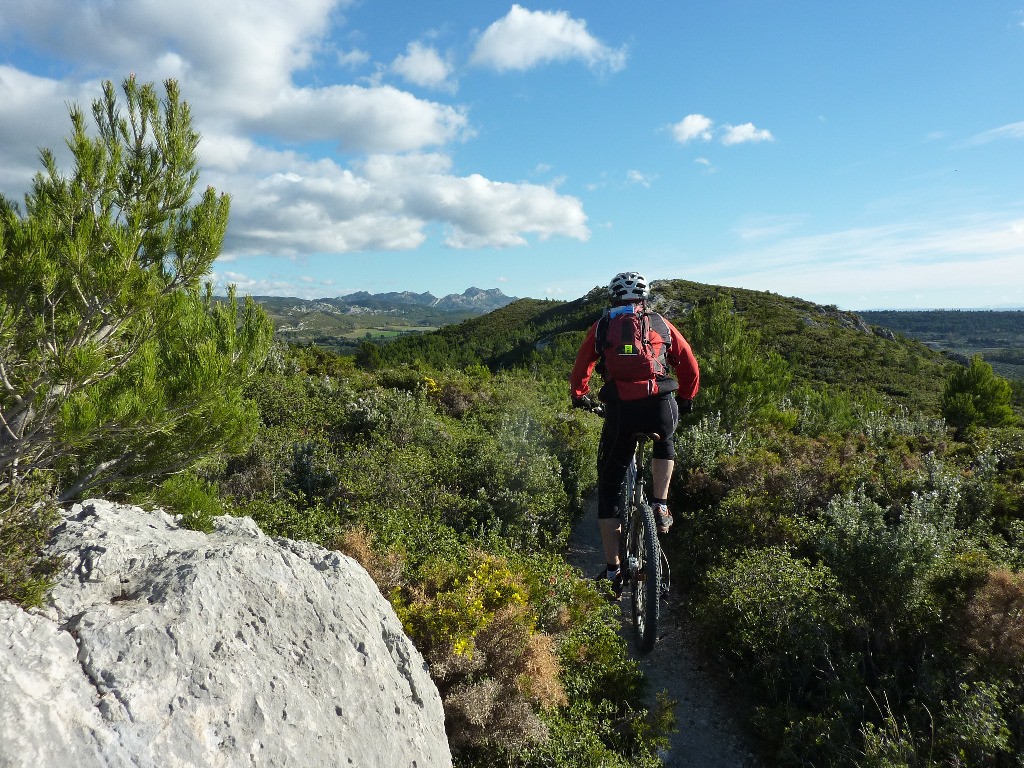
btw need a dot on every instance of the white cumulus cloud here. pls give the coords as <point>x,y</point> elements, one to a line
<point>422,65</point>
<point>693,127</point>
<point>697,127</point>
<point>479,212</point>
<point>524,39</point>
<point>269,131</point>
<point>380,119</point>
<point>288,205</point>
<point>744,134</point>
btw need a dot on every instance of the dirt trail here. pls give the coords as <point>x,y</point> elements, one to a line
<point>708,735</point>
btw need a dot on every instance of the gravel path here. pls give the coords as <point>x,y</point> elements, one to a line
<point>708,735</point>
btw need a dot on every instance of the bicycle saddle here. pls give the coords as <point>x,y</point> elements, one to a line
<point>653,435</point>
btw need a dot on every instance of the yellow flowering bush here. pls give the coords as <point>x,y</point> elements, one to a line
<point>451,603</point>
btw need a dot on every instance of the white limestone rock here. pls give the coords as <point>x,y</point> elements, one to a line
<point>162,646</point>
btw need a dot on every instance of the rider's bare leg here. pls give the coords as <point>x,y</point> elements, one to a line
<point>611,529</point>
<point>661,474</point>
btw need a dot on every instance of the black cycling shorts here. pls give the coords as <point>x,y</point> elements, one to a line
<point>623,420</point>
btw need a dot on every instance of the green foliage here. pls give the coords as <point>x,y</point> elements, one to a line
<point>848,563</point>
<point>780,616</point>
<point>975,396</point>
<point>739,381</point>
<point>973,727</point>
<point>27,515</point>
<point>883,559</point>
<point>192,497</point>
<point>914,537</point>
<point>116,367</point>
<point>891,745</point>
<point>823,345</point>
<point>456,489</point>
<point>704,446</point>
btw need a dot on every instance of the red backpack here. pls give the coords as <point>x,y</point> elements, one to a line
<point>632,354</point>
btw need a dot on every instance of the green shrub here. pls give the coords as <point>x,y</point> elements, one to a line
<point>972,727</point>
<point>289,516</point>
<point>976,396</point>
<point>892,745</point>
<point>823,411</point>
<point>703,446</point>
<point>779,617</point>
<point>740,380</point>
<point>883,556</point>
<point>192,497</point>
<point>27,516</point>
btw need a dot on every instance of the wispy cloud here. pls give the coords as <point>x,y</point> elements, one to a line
<point>1009,131</point>
<point>706,164</point>
<point>525,39</point>
<point>764,227</point>
<point>302,287</point>
<point>642,179</point>
<point>354,58</point>
<point>936,260</point>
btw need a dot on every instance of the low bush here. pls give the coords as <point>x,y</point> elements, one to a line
<point>28,513</point>
<point>779,617</point>
<point>194,498</point>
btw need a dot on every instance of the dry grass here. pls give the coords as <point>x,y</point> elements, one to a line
<point>995,619</point>
<point>385,570</point>
<point>488,712</point>
<point>541,670</point>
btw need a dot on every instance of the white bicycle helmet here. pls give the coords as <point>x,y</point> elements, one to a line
<point>628,286</point>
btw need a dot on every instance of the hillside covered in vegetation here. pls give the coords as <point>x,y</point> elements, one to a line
<point>340,323</point>
<point>996,335</point>
<point>821,345</point>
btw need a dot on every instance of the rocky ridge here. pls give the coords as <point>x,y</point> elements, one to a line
<point>475,300</point>
<point>162,646</point>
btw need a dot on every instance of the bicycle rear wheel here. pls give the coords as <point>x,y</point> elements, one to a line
<point>645,584</point>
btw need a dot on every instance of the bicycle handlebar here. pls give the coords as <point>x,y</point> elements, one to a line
<point>587,404</point>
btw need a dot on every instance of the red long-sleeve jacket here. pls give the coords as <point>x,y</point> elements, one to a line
<point>678,355</point>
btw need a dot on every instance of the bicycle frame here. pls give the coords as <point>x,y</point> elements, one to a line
<point>645,567</point>
<point>643,564</point>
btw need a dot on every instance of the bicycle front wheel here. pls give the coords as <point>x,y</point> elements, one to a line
<point>646,582</point>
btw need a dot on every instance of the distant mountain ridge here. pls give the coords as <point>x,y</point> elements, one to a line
<point>473,300</point>
<point>341,323</point>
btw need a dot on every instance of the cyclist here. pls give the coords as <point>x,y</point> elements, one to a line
<point>649,406</point>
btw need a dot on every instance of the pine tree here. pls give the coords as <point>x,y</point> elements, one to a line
<point>739,380</point>
<point>115,363</point>
<point>976,396</point>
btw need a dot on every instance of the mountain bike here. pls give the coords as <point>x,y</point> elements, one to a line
<point>646,576</point>
<point>645,568</point>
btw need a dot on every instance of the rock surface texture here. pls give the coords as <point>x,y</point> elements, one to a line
<point>162,646</point>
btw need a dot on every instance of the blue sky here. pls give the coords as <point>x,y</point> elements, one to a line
<point>868,155</point>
